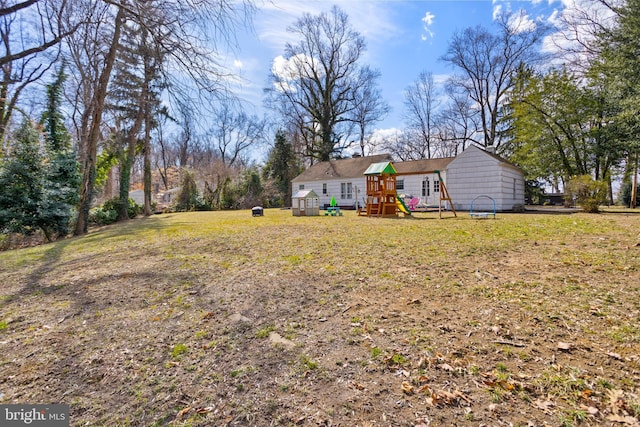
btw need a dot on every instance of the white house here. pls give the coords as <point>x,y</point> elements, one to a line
<point>343,179</point>
<point>475,172</point>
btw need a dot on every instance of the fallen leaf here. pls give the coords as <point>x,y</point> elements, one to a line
<point>616,400</point>
<point>506,385</point>
<point>422,363</point>
<point>627,420</point>
<point>544,405</point>
<point>357,385</point>
<point>614,355</point>
<point>407,388</point>
<point>424,389</point>
<point>423,378</point>
<point>183,412</point>
<point>590,409</point>
<point>446,367</point>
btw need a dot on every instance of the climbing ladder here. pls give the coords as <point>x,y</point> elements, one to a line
<point>444,196</point>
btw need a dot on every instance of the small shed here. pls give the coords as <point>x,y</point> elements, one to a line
<point>305,203</point>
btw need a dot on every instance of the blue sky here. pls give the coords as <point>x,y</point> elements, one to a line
<point>404,37</point>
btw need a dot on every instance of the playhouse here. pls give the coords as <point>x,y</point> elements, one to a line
<point>381,190</point>
<point>305,203</point>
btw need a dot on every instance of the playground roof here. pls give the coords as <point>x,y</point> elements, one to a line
<point>305,194</point>
<point>380,168</point>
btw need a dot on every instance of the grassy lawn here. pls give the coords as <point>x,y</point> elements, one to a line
<point>220,318</point>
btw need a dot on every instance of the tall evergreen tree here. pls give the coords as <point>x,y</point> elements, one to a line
<point>21,182</point>
<point>61,171</point>
<point>619,63</point>
<point>282,166</point>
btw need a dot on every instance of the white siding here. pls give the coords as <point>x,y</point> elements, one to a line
<point>413,187</point>
<point>474,173</point>
<point>334,189</point>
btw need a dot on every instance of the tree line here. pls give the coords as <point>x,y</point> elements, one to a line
<point>137,92</point>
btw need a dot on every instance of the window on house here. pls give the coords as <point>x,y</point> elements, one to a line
<point>425,188</point>
<point>400,184</point>
<point>324,188</point>
<point>346,190</point>
<point>436,186</point>
<point>301,187</point>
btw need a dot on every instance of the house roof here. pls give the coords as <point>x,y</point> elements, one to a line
<point>380,168</point>
<point>342,168</point>
<point>490,154</point>
<point>414,167</point>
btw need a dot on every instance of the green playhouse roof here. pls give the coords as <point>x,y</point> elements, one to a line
<point>380,168</point>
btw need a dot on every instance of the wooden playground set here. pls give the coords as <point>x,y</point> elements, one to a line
<point>382,198</point>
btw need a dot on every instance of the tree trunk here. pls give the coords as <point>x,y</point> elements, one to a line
<point>147,159</point>
<point>91,144</point>
<point>634,183</point>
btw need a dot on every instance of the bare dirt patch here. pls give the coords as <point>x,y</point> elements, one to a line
<point>224,319</point>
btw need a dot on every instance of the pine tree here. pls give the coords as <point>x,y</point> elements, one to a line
<point>21,182</point>
<point>282,165</point>
<point>61,171</point>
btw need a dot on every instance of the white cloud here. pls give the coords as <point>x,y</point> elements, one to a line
<point>381,137</point>
<point>521,22</point>
<point>427,22</point>
<point>497,11</point>
<point>428,18</point>
<point>237,63</point>
<point>288,70</point>
<point>283,68</point>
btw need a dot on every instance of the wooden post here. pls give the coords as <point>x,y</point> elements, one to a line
<point>444,195</point>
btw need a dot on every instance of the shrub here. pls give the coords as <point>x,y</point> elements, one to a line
<point>587,192</point>
<point>108,212</point>
<point>189,198</point>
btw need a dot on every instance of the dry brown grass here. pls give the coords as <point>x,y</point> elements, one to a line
<point>219,318</point>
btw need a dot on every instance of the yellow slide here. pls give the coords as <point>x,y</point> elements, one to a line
<point>401,206</point>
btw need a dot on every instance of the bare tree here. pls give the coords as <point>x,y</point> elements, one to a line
<point>30,35</point>
<point>488,63</point>
<point>400,145</point>
<point>370,107</point>
<point>459,122</point>
<point>422,105</point>
<point>315,83</point>
<point>578,30</point>
<point>234,134</point>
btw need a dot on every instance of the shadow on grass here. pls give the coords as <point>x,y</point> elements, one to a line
<point>53,252</point>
